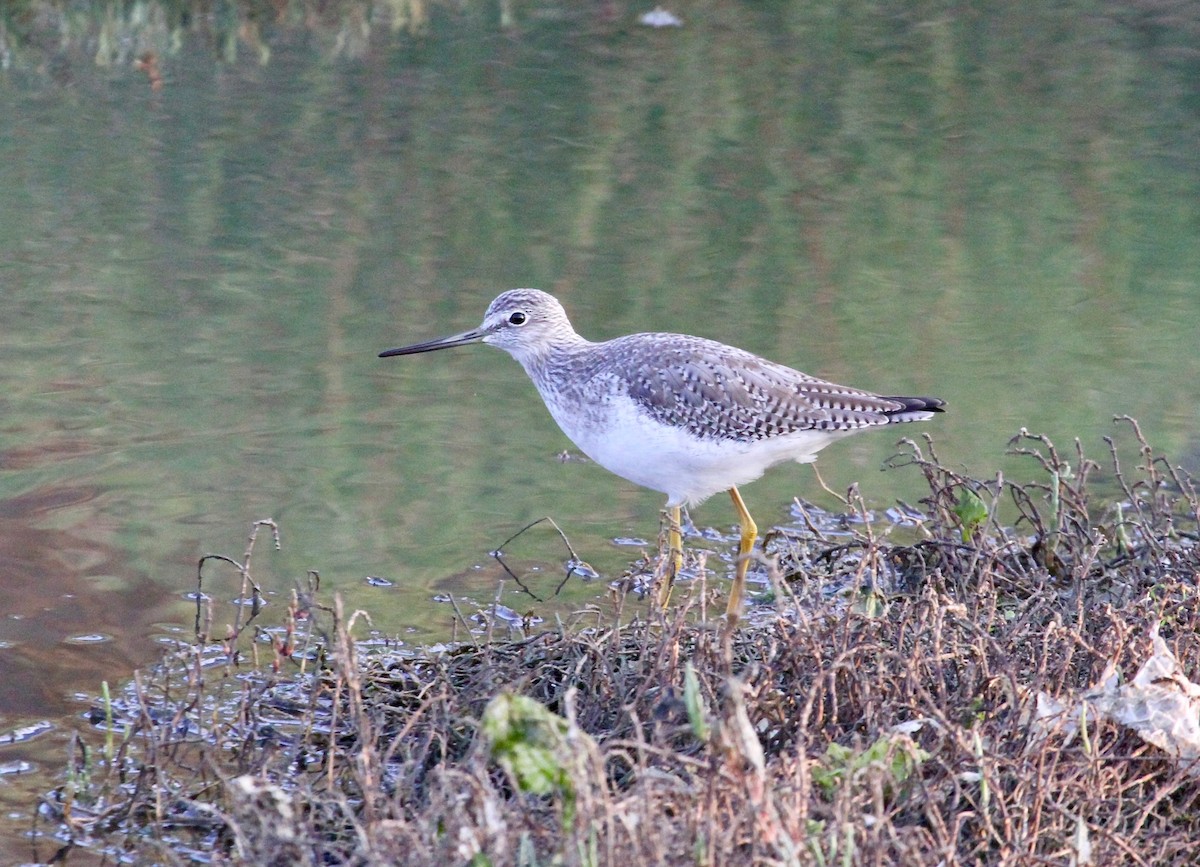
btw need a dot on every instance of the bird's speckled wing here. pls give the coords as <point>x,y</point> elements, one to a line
<point>720,392</point>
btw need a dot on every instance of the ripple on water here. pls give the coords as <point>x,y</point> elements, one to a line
<point>26,733</point>
<point>88,638</point>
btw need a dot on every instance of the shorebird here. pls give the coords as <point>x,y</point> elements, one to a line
<point>681,415</point>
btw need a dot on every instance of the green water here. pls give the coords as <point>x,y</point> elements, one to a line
<point>997,207</point>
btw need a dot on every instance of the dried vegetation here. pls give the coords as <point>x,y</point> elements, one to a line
<point>900,704</point>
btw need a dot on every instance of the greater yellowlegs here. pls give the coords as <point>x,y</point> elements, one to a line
<point>678,414</point>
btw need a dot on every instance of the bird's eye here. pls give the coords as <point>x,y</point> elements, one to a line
<point>517,318</point>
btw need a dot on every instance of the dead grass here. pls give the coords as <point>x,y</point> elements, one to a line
<point>892,709</point>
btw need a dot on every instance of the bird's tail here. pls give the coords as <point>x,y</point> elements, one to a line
<point>914,409</point>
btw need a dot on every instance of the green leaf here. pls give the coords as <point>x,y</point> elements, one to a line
<point>970,512</point>
<point>696,710</point>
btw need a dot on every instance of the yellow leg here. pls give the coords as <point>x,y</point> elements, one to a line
<point>675,552</point>
<point>749,533</point>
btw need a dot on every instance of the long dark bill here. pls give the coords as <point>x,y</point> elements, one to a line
<point>472,336</point>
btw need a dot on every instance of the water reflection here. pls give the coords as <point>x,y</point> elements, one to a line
<point>197,276</point>
<point>74,613</point>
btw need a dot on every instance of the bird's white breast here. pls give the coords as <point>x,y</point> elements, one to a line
<point>625,440</point>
